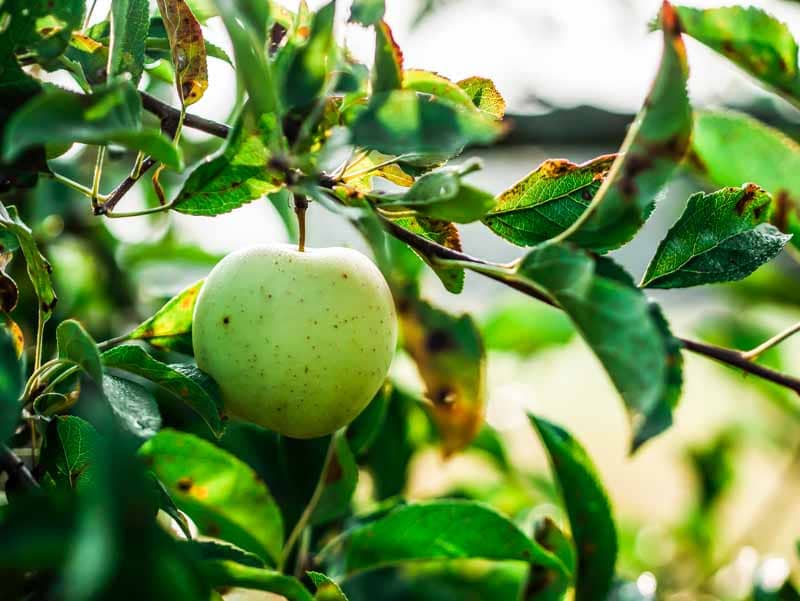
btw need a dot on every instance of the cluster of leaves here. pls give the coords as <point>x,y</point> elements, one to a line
<point>131,430</point>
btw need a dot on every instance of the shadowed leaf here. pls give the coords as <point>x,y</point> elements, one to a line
<point>588,508</point>
<point>11,382</point>
<point>75,344</point>
<point>69,452</point>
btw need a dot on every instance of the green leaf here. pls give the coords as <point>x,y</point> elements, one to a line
<point>525,327</point>
<point>440,530</point>
<point>75,344</point>
<point>206,550</point>
<point>367,12</point>
<point>404,122</point>
<point>437,86</point>
<point>340,480</point>
<point>224,574</point>
<point>720,237</point>
<point>167,505</point>
<point>547,201</point>
<point>112,114</point>
<point>442,195</point>
<point>656,142</point>
<point>327,589</point>
<point>752,39</point>
<point>730,148</point>
<point>313,63</point>
<point>237,174</point>
<point>247,22</point>
<point>188,49</point>
<point>38,267</point>
<point>449,354</point>
<point>387,70</point>
<point>69,453</point>
<point>222,495</point>
<point>588,508</point>
<point>130,24</point>
<point>11,382</point>
<point>135,360</point>
<point>171,326</point>
<point>626,332</point>
<point>133,405</point>
<point>484,95</point>
<point>365,429</point>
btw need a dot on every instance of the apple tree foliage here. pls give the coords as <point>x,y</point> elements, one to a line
<point>103,443</point>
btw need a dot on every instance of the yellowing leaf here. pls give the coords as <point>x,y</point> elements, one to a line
<point>188,49</point>
<point>484,95</point>
<point>449,354</point>
<point>171,327</point>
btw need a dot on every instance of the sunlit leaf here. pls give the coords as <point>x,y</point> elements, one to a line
<point>404,122</point>
<point>547,201</point>
<point>655,144</point>
<point>730,149</point>
<point>626,332</point>
<point>171,378</point>
<point>171,326</point>
<point>129,28</point>
<point>188,49</point>
<point>387,71</point>
<point>327,589</point>
<point>752,39</point>
<point>484,95</point>
<point>449,354</point>
<point>588,508</point>
<point>437,530</point>
<point>237,175</point>
<point>313,63</point>
<point>720,237</point>
<point>437,86</point>
<point>222,495</point>
<point>75,344</point>
<point>112,114</point>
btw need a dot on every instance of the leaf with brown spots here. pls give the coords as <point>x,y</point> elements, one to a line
<point>752,39</point>
<point>547,201</point>
<point>188,49</point>
<point>656,142</point>
<point>731,148</point>
<point>449,354</point>
<point>219,492</point>
<point>588,509</point>
<point>175,380</point>
<point>721,237</point>
<point>171,326</point>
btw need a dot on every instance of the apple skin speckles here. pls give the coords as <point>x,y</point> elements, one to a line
<point>299,343</point>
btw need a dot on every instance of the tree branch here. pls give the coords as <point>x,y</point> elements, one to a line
<point>15,468</point>
<point>730,357</point>
<point>162,110</point>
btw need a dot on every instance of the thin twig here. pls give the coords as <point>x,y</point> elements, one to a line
<point>755,353</point>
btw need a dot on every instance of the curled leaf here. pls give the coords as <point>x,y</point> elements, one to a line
<point>188,49</point>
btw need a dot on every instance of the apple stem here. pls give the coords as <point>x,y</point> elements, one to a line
<point>300,206</point>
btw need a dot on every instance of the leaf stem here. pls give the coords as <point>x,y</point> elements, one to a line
<point>62,179</point>
<point>60,378</point>
<point>756,352</point>
<point>107,344</point>
<point>300,208</point>
<point>98,175</point>
<point>305,518</point>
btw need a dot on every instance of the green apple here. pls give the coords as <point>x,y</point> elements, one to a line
<point>299,342</point>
